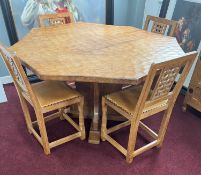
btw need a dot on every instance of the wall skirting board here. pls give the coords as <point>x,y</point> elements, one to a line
<point>6,80</point>
<point>3,97</point>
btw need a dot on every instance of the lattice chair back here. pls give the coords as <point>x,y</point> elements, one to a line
<point>160,25</point>
<point>55,19</point>
<point>161,89</point>
<point>16,70</point>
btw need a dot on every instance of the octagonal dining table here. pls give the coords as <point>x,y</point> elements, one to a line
<point>95,54</point>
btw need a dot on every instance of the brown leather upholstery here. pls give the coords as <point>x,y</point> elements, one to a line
<point>126,99</point>
<point>52,92</point>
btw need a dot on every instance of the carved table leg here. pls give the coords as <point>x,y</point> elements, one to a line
<point>94,134</point>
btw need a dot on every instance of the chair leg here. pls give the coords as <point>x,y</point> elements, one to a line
<point>163,127</point>
<point>132,141</point>
<point>104,120</point>
<point>81,118</point>
<point>184,107</point>
<point>43,132</point>
<point>61,114</point>
<point>25,110</point>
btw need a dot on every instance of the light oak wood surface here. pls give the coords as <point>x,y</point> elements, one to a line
<point>96,53</point>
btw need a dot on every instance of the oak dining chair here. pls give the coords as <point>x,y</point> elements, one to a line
<point>55,19</point>
<point>139,102</point>
<point>44,97</point>
<point>160,25</point>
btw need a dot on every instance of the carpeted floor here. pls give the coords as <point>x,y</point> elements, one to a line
<point>21,154</point>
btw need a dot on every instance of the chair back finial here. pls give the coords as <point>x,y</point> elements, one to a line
<point>160,25</point>
<point>15,68</point>
<point>55,19</point>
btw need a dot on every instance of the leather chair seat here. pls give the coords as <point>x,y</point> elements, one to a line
<point>126,99</point>
<point>53,92</point>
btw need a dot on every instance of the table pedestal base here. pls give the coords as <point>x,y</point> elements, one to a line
<point>94,134</point>
<point>93,93</point>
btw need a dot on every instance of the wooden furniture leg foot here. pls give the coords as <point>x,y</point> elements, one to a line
<point>129,159</point>
<point>184,107</point>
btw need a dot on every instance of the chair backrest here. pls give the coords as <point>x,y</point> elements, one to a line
<point>17,72</point>
<point>160,25</point>
<point>160,89</point>
<point>55,19</point>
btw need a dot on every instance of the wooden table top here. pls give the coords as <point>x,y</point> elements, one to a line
<point>94,52</point>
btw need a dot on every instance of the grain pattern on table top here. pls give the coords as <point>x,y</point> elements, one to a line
<point>94,52</point>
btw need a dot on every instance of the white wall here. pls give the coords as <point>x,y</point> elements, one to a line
<point>136,13</point>
<point>129,12</point>
<point>3,70</point>
<point>2,94</point>
<point>92,10</point>
<point>152,7</point>
<point>4,40</point>
<point>120,12</point>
